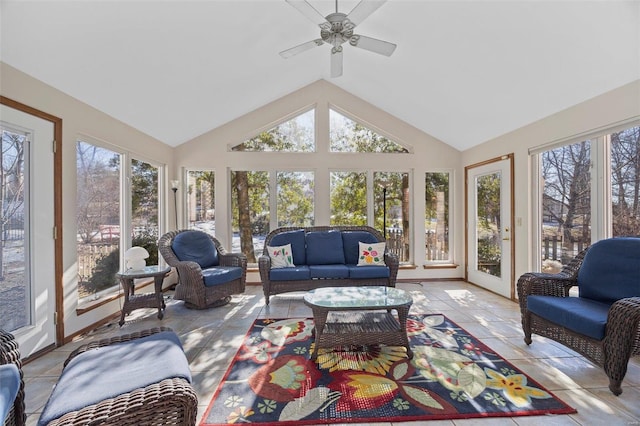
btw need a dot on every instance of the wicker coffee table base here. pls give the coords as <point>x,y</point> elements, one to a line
<point>360,328</point>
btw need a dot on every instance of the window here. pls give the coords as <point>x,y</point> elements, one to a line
<point>295,198</point>
<point>97,218</point>
<point>625,182</point>
<point>436,217</point>
<point>348,198</point>
<point>201,198</point>
<point>566,203</point>
<point>100,214</point>
<point>295,135</point>
<point>250,192</point>
<point>14,224</point>
<point>252,206</point>
<point>347,135</point>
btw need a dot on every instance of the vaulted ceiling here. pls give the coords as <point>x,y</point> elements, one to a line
<point>464,71</point>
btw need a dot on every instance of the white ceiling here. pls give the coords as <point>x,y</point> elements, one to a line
<point>464,71</point>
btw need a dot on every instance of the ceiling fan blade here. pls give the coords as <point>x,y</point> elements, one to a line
<point>372,44</point>
<point>301,48</point>
<point>336,63</point>
<point>364,9</point>
<point>310,12</point>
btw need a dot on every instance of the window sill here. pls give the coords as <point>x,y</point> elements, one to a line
<point>440,266</point>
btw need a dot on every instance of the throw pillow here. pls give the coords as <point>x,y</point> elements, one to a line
<point>281,256</point>
<point>371,254</point>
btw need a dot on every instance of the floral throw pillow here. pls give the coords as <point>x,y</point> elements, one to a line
<point>371,254</point>
<point>281,256</point>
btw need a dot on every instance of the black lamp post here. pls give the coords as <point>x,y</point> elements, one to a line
<point>174,188</point>
<point>384,184</point>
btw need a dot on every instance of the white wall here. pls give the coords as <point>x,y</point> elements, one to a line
<point>602,111</point>
<point>78,119</point>
<point>210,151</point>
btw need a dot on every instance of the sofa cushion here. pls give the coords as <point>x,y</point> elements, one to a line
<point>280,256</point>
<point>611,270</point>
<point>300,272</point>
<point>220,275</point>
<point>297,241</point>
<point>329,271</point>
<point>584,316</point>
<point>371,254</point>
<point>116,369</point>
<point>195,246</point>
<point>324,248</point>
<point>364,272</point>
<point>350,240</point>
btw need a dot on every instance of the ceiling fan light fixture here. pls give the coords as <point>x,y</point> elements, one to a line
<point>337,28</point>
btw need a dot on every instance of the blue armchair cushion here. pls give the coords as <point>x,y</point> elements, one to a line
<point>295,273</point>
<point>324,248</point>
<point>220,274</point>
<point>350,240</point>
<point>356,271</point>
<point>297,241</point>
<point>328,271</point>
<point>116,369</point>
<point>9,386</point>
<point>611,270</point>
<point>195,246</point>
<point>579,314</point>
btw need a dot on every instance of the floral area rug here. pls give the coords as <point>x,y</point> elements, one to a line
<point>451,376</point>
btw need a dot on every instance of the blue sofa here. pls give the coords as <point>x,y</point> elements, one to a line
<point>603,321</point>
<point>324,256</point>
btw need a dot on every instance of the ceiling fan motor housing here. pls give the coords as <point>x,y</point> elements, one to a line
<point>340,31</point>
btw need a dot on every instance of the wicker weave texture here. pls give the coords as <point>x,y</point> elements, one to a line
<point>169,402</point>
<point>271,288</point>
<point>10,354</point>
<point>191,286</point>
<point>622,337</point>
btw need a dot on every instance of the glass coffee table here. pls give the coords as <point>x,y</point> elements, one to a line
<point>345,316</point>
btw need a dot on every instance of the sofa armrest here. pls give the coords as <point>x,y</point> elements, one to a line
<point>393,263</point>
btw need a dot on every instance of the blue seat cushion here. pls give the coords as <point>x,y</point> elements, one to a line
<point>350,240</point>
<point>298,272</point>
<point>297,241</point>
<point>108,371</point>
<point>9,386</point>
<point>220,274</point>
<point>611,270</point>
<point>328,271</point>
<point>195,246</point>
<point>324,248</point>
<point>368,271</point>
<point>584,316</point>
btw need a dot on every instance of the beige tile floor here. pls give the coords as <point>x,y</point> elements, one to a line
<point>212,337</point>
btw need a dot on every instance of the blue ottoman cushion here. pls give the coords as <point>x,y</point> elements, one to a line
<point>108,371</point>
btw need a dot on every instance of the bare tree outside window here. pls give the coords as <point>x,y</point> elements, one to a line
<point>566,204</point>
<point>14,281</point>
<point>625,182</point>
<point>201,198</point>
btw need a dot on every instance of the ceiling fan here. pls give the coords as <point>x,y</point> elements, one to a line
<point>337,28</point>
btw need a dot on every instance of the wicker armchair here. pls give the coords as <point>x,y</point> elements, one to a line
<point>615,260</point>
<point>10,354</point>
<point>172,401</point>
<point>194,272</point>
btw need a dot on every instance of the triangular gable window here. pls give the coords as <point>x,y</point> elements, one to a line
<point>295,135</point>
<point>347,135</point>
